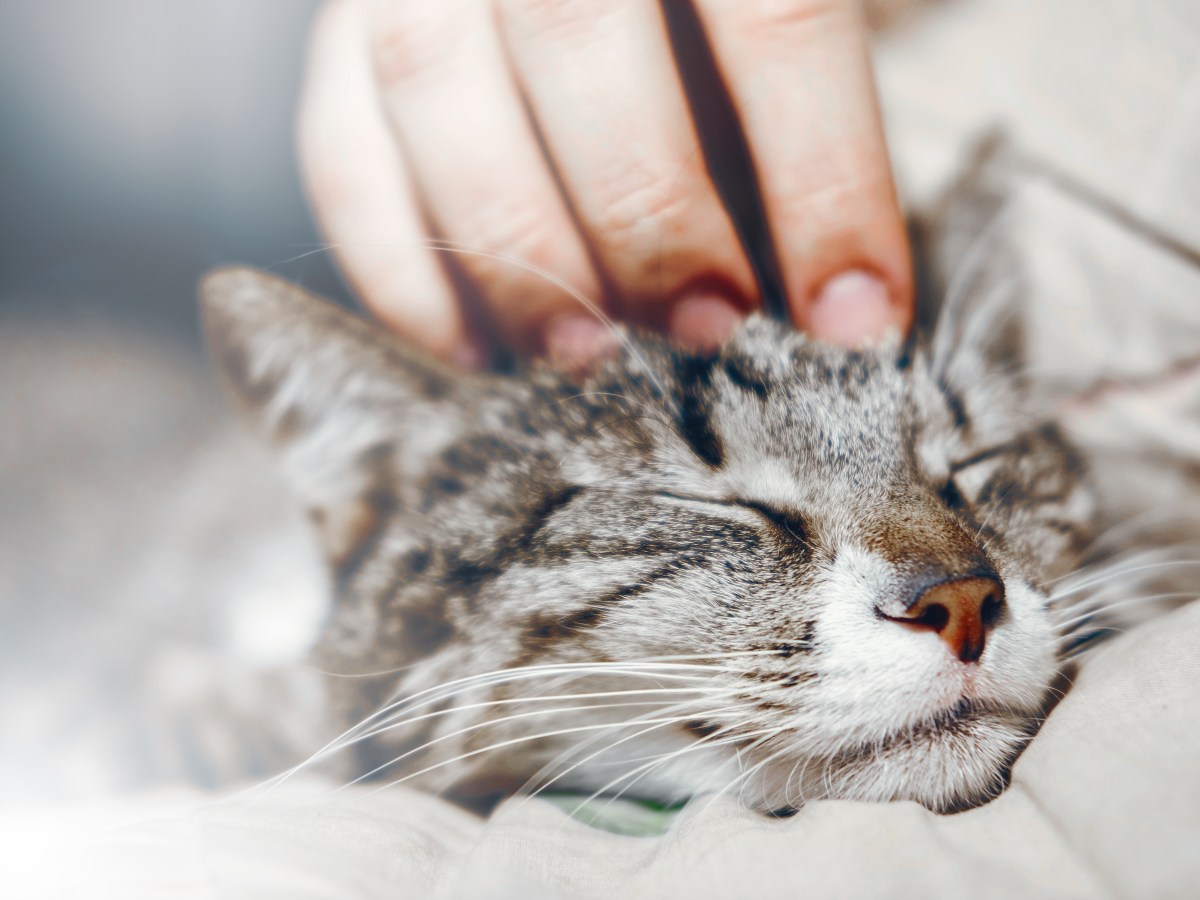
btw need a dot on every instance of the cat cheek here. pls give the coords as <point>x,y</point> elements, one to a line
<point>1023,658</point>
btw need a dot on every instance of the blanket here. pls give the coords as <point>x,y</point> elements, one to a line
<point>1104,803</point>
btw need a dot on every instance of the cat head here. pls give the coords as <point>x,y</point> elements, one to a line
<point>786,568</point>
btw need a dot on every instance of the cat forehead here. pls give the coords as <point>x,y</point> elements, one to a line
<point>773,413</point>
<point>776,389</point>
<point>774,362</point>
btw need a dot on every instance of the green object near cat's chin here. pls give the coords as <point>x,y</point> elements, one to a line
<point>629,817</point>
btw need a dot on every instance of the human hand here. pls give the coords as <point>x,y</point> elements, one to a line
<point>554,136</point>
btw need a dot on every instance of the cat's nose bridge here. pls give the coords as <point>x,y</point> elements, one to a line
<point>942,580</point>
<point>919,538</point>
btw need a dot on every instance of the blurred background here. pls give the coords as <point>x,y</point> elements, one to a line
<point>141,143</point>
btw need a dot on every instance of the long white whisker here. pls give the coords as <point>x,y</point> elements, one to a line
<point>1108,607</point>
<point>585,302</point>
<point>643,770</point>
<point>614,744</point>
<point>392,725</point>
<point>1120,573</point>
<point>665,667</point>
<point>518,740</point>
<point>461,249</point>
<point>744,773</point>
<point>488,723</point>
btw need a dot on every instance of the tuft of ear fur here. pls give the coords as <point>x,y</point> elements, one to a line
<point>353,411</point>
<point>977,277</point>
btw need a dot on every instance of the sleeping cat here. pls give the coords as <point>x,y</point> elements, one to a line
<point>784,569</point>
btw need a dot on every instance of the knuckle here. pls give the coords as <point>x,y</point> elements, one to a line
<point>782,21</point>
<point>555,16</point>
<point>644,218</point>
<point>511,241</point>
<point>841,200</point>
<point>410,39</point>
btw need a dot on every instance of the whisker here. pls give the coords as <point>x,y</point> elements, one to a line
<point>518,740</point>
<point>446,246</point>
<point>970,265</point>
<point>665,667</point>
<point>592,307</point>
<point>1104,609</point>
<point>1120,573</point>
<point>642,771</point>
<point>1085,642</point>
<point>488,723</point>
<point>746,774</point>
<point>1102,564</point>
<point>609,747</point>
<point>510,701</point>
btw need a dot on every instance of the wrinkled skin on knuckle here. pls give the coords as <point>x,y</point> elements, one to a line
<point>507,231</point>
<point>663,240</point>
<point>784,22</point>
<point>645,211</point>
<point>410,40</point>
<point>555,18</point>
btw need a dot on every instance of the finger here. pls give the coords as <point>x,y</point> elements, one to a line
<point>451,99</point>
<point>800,75</point>
<point>602,82</point>
<point>357,187</point>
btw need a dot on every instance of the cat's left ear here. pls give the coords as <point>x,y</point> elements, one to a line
<point>354,412</point>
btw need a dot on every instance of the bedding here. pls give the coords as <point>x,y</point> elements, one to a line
<point>1105,803</point>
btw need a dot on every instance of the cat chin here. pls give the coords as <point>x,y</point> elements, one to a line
<point>946,767</point>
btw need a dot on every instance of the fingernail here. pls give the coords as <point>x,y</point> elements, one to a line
<point>467,356</point>
<point>852,309</point>
<point>576,342</point>
<point>703,321</point>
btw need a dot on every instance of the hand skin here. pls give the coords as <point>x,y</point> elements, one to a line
<point>555,136</point>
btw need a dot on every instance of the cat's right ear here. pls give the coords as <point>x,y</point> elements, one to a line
<point>353,411</point>
<point>974,277</point>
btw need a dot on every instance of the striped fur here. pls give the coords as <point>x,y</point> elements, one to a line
<point>753,512</point>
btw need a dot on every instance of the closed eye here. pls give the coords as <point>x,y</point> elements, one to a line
<point>789,523</point>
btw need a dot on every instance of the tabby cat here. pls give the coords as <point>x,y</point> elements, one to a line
<point>783,568</point>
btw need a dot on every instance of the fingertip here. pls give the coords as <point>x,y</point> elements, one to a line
<point>703,320</point>
<point>855,308</point>
<point>577,342</point>
<point>466,355</point>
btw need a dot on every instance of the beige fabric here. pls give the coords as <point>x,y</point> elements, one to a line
<point>1106,91</point>
<point>1105,803</point>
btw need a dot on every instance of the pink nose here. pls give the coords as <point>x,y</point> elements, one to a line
<point>960,612</point>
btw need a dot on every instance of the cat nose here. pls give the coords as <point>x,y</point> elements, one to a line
<point>961,611</point>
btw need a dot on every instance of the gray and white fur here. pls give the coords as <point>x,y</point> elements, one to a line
<point>681,573</point>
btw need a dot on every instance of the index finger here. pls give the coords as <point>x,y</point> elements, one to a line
<point>800,76</point>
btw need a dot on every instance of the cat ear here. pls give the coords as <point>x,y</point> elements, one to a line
<point>973,271</point>
<point>353,411</point>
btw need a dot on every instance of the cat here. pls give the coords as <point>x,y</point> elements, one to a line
<point>783,568</point>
